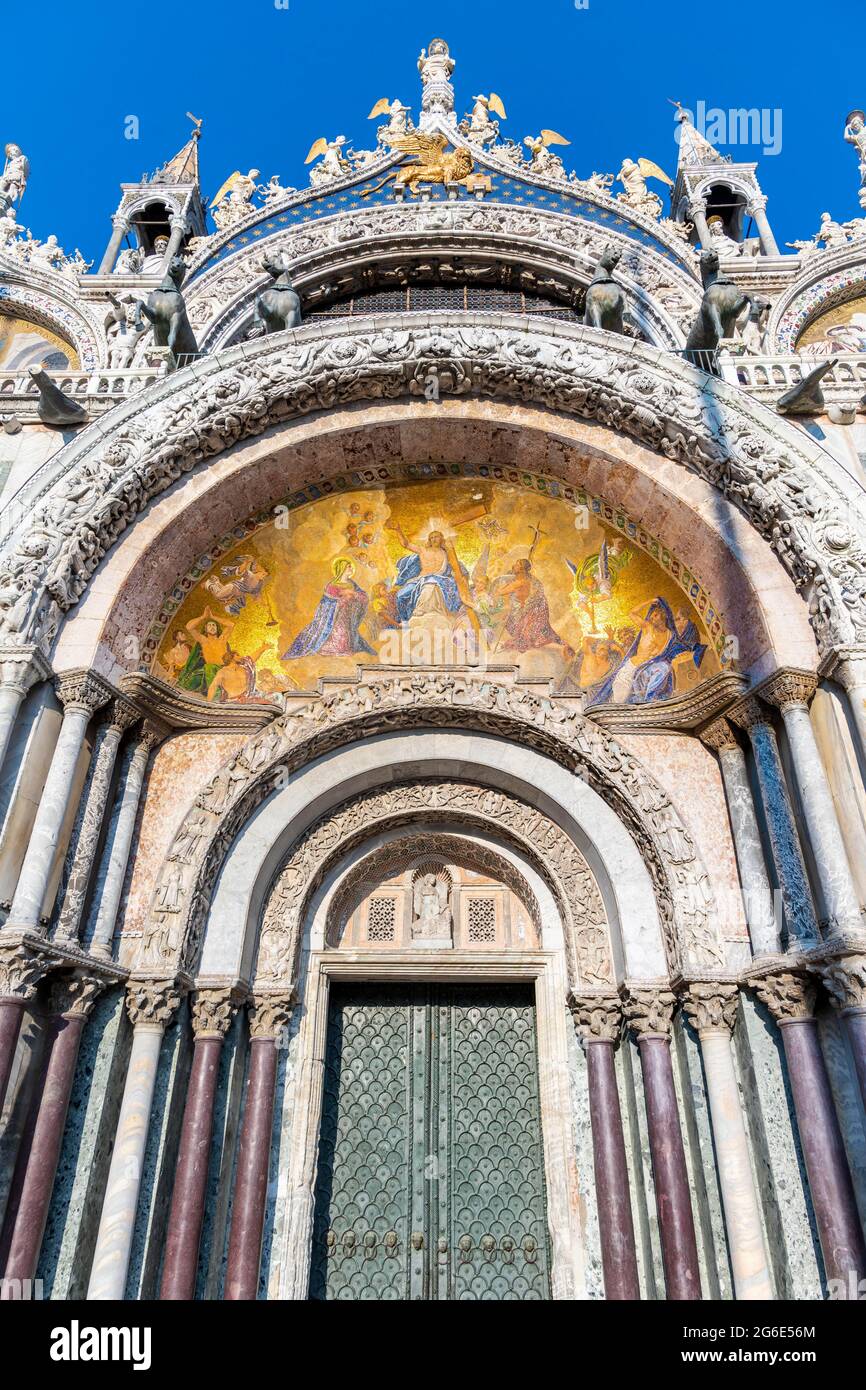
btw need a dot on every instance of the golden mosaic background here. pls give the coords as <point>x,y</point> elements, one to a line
<point>317,592</point>
<point>842,329</point>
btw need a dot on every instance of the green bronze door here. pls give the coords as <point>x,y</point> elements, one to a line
<point>431,1171</point>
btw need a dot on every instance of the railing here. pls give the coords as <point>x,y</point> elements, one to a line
<point>96,391</point>
<point>769,377</point>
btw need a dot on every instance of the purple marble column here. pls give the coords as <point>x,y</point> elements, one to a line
<point>212,1012</point>
<point>268,1018</point>
<point>599,1023</point>
<point>11,1014</point>
<point>790,998</point>
<point>650,1015</point>
<point>20,972</point>
<point>71,1002</point>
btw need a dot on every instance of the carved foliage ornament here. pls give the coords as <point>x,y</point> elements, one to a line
<point>786,485</point>
<point>181,899</point>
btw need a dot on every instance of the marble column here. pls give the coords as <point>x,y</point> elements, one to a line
<point>800,923</point>
<point>791,692</point>
<point>790,997</point>
<point>649,1012</point>
<point>754,879</point>
<point>21,969</point>
<point>151,1004</point>
<point>212,1012</point>
<point>698,218</point>
<point>115,858</point>
<point>269,1015</point>
<point>599,1024</point>
<point>756,208</point>
<point>844,979</point>
<point>712,1008</point>
<point>120,229</point>
<point>81,693</point>
<point>847,666</point>
<point>177,232</point>
<point>20,668</point>
<point>72,999</point>
<point>91,814</point>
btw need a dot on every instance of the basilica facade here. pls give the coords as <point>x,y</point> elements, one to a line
<point>433,729</point>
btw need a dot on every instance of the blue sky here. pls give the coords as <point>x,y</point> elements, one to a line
<point>270,80</point>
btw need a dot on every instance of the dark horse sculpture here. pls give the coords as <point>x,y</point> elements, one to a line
<point>721,306</point>
<point>605,300</point>
<point>167,312</point>
<point>278,305</point>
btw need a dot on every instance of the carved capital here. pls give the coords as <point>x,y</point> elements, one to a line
<point>790,688</point>
<point>650,1012</point>
<point>82,690</point>
<point>756,204</point>
<point>789,996</point>
<point>719,735</point>
<point>122,715</point>
<point>213,1011</point>
<point>73,996</point>
<point>20,971</point>
<point>711,1006</point>
<point>597,1018</point>
<point>269,1014</point>
<point>750,714</point>
<point>152,1003</point>
<point>847,665</point>
<point>21,668</point>
<point>845,982</point>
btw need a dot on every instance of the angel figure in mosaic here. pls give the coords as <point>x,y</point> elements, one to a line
<point>242,580</point>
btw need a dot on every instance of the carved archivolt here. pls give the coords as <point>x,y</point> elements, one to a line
<point>794,493</point>
<point>532,834</point>
<point>181,899</point>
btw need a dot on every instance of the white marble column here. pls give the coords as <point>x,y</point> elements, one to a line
<point>756,208</point>
<point>20,668</point>
<point>81,693</point>
<point>178,230</point>
<point>115,856</point>
<point>847,666</point>
<point>120,229</point>
<point>712,1008</point>
<point>791,692</point>
<point>151,1005</point>
<point>91,814</point>
<point>698,217</point>
<point>754,878</point>
<point>800,923</point>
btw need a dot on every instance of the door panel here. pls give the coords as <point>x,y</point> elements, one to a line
<point>430,1181</point>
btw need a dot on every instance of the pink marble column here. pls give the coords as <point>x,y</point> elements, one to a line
<point>599,1023</point>
<point>269,1015</point>
<point>20,972</point>
<point>71,1001</point>
<point>212,1012</point>
<point>790,997</point>
<point>650,1016</point>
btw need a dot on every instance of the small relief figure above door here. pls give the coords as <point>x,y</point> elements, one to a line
<point>431,907</point>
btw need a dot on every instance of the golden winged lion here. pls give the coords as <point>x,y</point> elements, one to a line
<point>432,163</point>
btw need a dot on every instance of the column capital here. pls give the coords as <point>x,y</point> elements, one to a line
<point>847,665</point>
<point>750,714</point>
<point>82,690</point>
<point>649,1011</point>
<point>120,223</point>
<point>22,667</point>
<point>21,969</point>
<point>844,979</point>
<point>152,1003</point>
<point>597,1017</point>
<point>73,996</point>
<point>719,735</point>
<point>711,1006</point>
<point>213,1011</point>
<point>697,204</point>
<point>789,687</point>
<point>788,994</point>
<point>269,1013</point>
<point>122,715</point>
<point>756,203</point>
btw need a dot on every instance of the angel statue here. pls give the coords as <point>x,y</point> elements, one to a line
<point>855,134</point>
<point>431,914</point>
<point>432,163</point>
<point>273,192</point>
<point>542,159</point>
<point>235,198</point>
<point>399,122</point>
<point>633,176</point>
<point>478,125</point>
<point>333,165</point>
